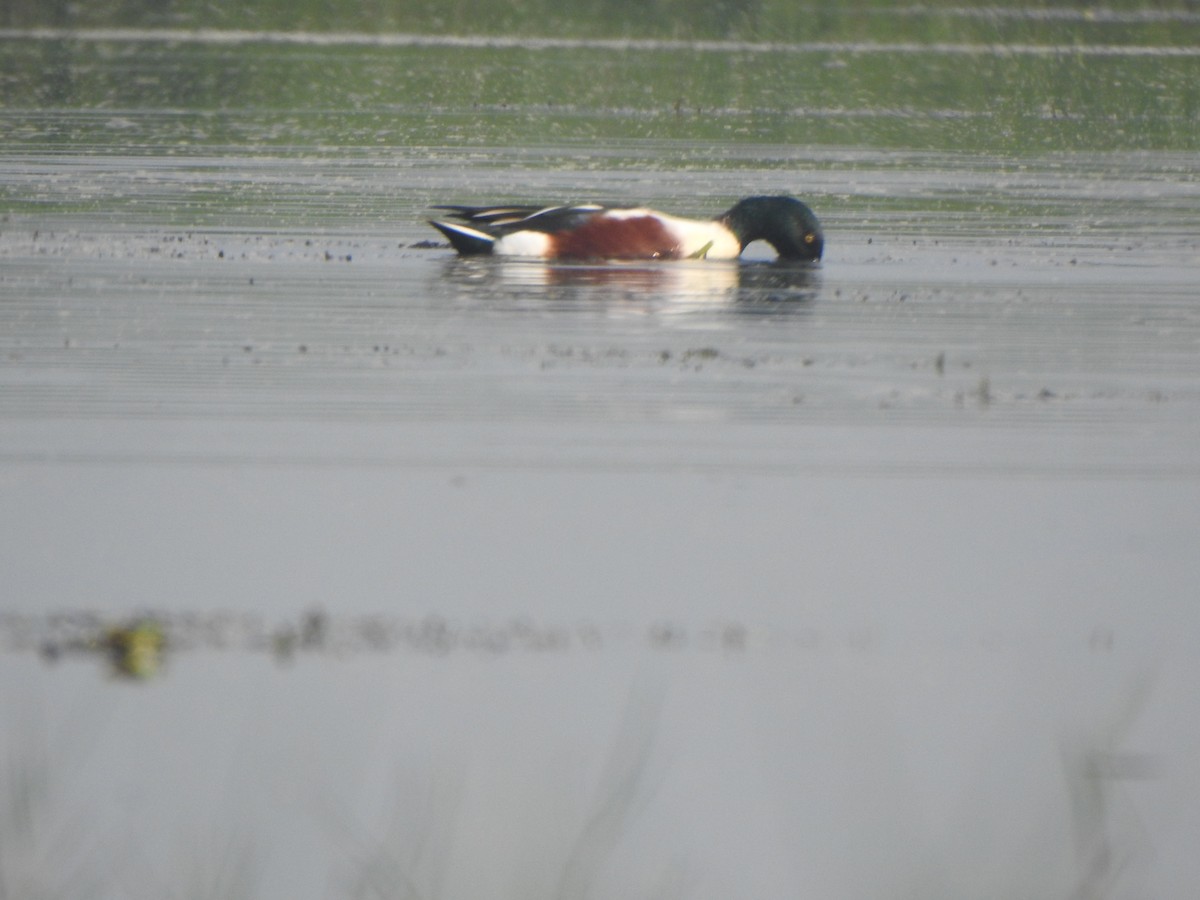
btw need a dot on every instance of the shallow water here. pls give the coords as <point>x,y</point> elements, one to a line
<point>870,579</point>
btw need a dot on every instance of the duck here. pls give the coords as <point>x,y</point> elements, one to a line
<point>595,231</point>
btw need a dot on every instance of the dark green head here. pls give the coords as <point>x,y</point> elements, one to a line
<point>783,222</point>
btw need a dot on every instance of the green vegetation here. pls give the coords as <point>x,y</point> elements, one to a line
<point>940,20</point>
<point>936,77</point>
<point>155,96</point>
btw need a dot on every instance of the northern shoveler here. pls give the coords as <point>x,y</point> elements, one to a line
<point>595,231</point>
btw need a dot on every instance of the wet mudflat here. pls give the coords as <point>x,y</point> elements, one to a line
<point>473,578</point>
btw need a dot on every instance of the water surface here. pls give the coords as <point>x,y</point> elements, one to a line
<point>870,579</point>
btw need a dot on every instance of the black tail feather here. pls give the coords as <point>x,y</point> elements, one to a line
<point>467,241</point>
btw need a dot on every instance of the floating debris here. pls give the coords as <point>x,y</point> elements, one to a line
<point>983,393</point>
<point>313,628</point>
<point>137,646</point>
<point>136,650</point>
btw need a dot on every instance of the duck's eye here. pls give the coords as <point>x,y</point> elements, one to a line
<point>809,238</point>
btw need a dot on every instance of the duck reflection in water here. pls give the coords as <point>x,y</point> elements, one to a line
<point>686,282</point>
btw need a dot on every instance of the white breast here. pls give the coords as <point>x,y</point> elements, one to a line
<point>523,243</point>
<point>706,238</point>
